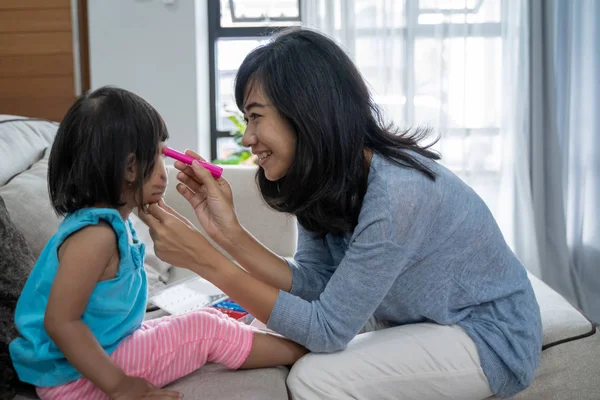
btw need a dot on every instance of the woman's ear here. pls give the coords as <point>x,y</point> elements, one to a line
<point>131,170</point>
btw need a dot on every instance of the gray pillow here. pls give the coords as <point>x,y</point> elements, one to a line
<point>28,203</point>
<point>15,265</point>
<point>22,143</point>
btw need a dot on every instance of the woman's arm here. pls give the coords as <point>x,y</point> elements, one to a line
<point>305,276</point>
<point>258,260</point>
<point>328,323</point>
<point>212,201</point>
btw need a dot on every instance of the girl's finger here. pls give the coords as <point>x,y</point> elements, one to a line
<point>163,394</point>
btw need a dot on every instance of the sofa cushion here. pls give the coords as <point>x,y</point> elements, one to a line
<point>28,203</point>
<point>22,143</point>
<point>567,371</point>
<point>560,320</point>
<point>215,382</point>
<point>570,360</point>
<point>15,264</point>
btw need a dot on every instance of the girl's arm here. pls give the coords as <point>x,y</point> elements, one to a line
<point>83,259</point>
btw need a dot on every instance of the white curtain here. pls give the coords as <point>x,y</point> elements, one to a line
<point>565,143</point>
<point>458,66</point>
<point>512,87</point>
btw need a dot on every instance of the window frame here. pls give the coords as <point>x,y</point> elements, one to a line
<point>216,32</point>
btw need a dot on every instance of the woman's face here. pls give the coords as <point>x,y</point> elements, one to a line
<point>268,134</point>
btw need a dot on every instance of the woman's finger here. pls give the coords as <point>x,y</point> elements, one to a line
<point>157,212</point>
<point>191,153</point>
<point>182,166</point>
<point>190,182</point>
<point>148,218</point>
<point>205,178</point>
<point>185,167</point>
<point>167,208</point>
<point>194,199</point>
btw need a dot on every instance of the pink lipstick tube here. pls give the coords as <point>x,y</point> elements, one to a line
<point>216,171</point>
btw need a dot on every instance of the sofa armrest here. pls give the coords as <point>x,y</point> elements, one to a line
<point>275,230</point>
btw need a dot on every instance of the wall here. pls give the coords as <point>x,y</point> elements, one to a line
<point>151,47</point>
<point>37,77</point>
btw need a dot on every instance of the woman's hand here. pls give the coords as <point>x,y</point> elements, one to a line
<point>134,388</point>
<point>211,199</point>
<point>176,240</point>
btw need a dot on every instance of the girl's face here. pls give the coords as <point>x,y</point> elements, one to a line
<point>156,185</point>
<point>268,134</point>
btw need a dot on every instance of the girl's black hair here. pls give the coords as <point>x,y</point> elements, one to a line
<point>315,86</point>
<point>93,147</point>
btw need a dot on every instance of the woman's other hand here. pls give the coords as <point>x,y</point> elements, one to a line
<point>176,240</point>
<point>211,199</point>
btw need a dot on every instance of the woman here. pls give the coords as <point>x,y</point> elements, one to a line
<point>386,236</point>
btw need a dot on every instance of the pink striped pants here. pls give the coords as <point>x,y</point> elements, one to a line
<point>168,348</point>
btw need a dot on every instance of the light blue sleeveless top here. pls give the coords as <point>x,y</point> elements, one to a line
<point>115,310</point>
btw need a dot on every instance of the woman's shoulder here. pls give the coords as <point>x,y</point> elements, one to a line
<point>397,180</point>
<point>409,191</point>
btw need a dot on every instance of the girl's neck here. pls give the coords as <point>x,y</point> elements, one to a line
<point>124,211</point>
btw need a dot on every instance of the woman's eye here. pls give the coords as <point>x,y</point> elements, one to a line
<point>251,117</point>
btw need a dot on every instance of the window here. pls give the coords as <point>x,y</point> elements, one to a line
<point>432,62</point>
<point>236,27</point>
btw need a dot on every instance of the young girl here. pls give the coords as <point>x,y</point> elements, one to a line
<point>81,312</point>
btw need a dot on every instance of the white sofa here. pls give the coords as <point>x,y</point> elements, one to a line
<point>570,364</point>
<point>24,149</point>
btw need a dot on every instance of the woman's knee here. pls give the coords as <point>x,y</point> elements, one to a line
<point>310,378</point>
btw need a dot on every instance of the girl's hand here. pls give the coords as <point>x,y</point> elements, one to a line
<point>134,388</point>
<point>211,199</point>
<point>176,240</point>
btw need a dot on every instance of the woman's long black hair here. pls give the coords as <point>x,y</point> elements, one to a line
<point>315,86</point>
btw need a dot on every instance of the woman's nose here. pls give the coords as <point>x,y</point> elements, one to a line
<point>249,138</point>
